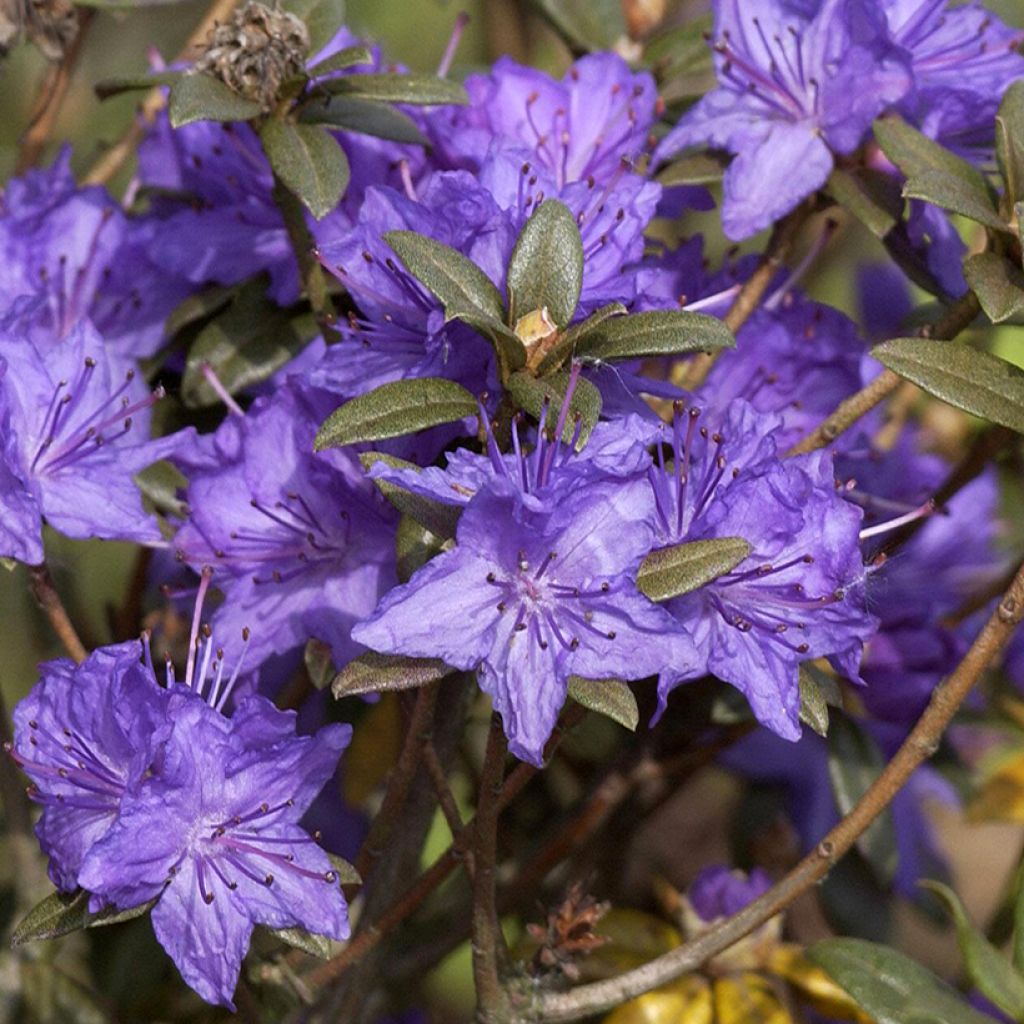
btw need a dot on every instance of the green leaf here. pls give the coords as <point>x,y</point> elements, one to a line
<point>440,519</point>
<point>682,59</point>
<point>964,377</point>
<point>953,193</point>
<point>890,987</point>
<point>200,306</point>
<point>609,697</point>
<point>322,18</point>
<point>309,942</point>
<point>395,409</point>
<point>681,568</point>
<point>200,97</point>
<point>161,483</point>
<point>244,345</point>
<point>459,284</point>
<point>546,267</point>
<point>368,117</point>
<point>379,673</point>
<point>1010,141</point>
<point>987,968</point>
<point>63,913</point>
<point>661,332</point>
<point>309,161</point>
<point>530,394</point>
<point>872,197</point>
<point>696,169</point>
<point>566,344</point>
<point>418,90</point>
<point>813,703</point>
<point>854,762</point>
<point>915,155</point>
<point>586,24</point>
<point>108,87</point>
<point>347,57</point>
<point>347,874</point>
<point>999,285</point>
<point>415,545</point>
<point>319,663</point>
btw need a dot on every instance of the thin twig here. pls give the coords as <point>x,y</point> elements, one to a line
<point>51,97</point>
<point>488,941</point>
<point>749,297</point>
<point>445,797</point>
<point>923,741</point>
<point>49,600</point>
<point>112,161</point>
<point>957,318</point>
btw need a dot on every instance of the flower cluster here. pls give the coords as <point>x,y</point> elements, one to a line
<point>308,383</point>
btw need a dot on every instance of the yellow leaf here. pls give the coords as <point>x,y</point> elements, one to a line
<point>748,999</point>
<point>1001,796</point>
<point>813,985</point>
<point>687,1001</point>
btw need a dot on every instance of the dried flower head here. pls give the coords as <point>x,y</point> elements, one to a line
<point>570,933</point>
<point>50,24</point>
<point>256,52</point>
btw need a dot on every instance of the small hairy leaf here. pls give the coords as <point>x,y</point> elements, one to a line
<point>530,394</point>
<point>566,344</point>
<point>586,24</point>
<point>990,971</point>
<point>546,267</point>
<point>890,987</point>
<point>108,87</point>
<point>440,519</point>
<point>609,697</point>
<point>322,18</point>
<point>953,193</point>
<point>967,378</point>
<point>309,161</point>
<point>661,332</point>
<point>1010,141</point>
<point>202,97</point>
<point>348,57</point>
<point>378,673</point>
<point>999,285</point>
<point>697,169</point>
<point>309,942</point>
<point>870,196</point>
<point>419,90</point>
<point>813,702</point>
<point>672,571</point>
<point>392,410</point>
<point>319,663</point>
<point>368,117</point>
<point>62,913</point>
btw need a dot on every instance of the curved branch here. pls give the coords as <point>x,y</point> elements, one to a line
<point>49,600</point>
<point>922,742</point>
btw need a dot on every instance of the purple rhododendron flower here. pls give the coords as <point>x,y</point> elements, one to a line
<point>721,892</point>
<point>215,838</point>
<point>530,598</point>
<point>85,736</point>
<point>799,595</point>
<point>792,91</point>
<point>83,258</point>
<point>76,431</point>
<point>300,544</point>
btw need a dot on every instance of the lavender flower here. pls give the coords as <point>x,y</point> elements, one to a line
<point>529,598</point>
<point>798,596</point>
<point>792,90</point>
<point>300,543</point>
<point>85,736</point>
<point>76,430</point>
<point>721,892</point>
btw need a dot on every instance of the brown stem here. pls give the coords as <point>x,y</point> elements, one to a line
<point>114,159</point>
<point>400,780</point>
<point>412,899</point>
<point>487,940</point>
<point>956,318</point>
<point>780,245</point>
<point>51,97</point>
<point>49,600</point>
<point>923,741</point>
<point>445,797</point>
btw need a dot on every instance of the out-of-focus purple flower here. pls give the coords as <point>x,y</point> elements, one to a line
<point>721,892</point>
<point>883,300</point>
<point>799,595</point>
<point>792,90</point>
<point>529,598</point>
<point>76,422</point>
<point>85,736</point>
<point>795,358</point>
<point>300,544</point>
<point>83,258</point>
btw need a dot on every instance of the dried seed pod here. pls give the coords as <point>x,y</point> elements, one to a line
<point>50,24</point>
